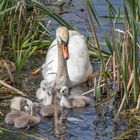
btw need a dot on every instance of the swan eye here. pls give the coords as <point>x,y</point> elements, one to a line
<point>65,43</point>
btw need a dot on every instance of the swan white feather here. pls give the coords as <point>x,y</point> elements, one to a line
<point>78,64</point>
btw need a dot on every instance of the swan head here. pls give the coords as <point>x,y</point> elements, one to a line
<point>62,35</point>
<point>64,91</point>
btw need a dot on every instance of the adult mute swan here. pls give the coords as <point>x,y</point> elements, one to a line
<point>67,61</point>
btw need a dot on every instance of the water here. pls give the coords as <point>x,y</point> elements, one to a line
<point>94,122</point>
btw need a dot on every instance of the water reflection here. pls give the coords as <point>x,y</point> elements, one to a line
<point>93,122</point>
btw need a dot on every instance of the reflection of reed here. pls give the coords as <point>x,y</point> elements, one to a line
<point>57,131</point>
<point>59,123</point>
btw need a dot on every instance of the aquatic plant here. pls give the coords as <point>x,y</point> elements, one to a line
<point>22,30</point>
<point>123,47</point>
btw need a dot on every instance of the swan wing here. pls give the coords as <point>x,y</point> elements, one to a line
<point>78,64</point>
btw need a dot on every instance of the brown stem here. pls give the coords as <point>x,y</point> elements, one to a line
<point>12,88</point>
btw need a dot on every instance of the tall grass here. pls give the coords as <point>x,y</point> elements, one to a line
<point>21,31</point>
<point>21,28</point>
<point>123,47</point>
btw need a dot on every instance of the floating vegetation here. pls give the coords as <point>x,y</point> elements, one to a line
<point>24,134</point>
<point>126,135</point>
<point>123,49</point>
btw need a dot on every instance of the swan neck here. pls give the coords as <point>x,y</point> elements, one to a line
<point>62,77</point>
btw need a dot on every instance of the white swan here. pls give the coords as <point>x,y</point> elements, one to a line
<point>71,46</point>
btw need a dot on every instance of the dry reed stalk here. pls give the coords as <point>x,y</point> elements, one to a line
<point>94,93</point>
<point>94,74</point>
<point>93,89</point>
<point>121,105</point>
<point>93,28</point>
<point>36,71</point>
<point>1,42</point>
<point>12,88</point>
<point>106,99</point>
<point>130,81</point>
<point>56,125</point>
<point>109,63</point>
<point>132,37</point>
<point>128,43</point>
<point>9,72</point>
<point>114,54</point>
<point>124,97</point>
<point>114,68</point>
<point>118,78</point>
<point>138,102</point>
<point>109,60</point>
<point>1,113</point>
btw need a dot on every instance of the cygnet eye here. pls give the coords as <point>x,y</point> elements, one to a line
<point>62,91</point>
<point>43,88</point>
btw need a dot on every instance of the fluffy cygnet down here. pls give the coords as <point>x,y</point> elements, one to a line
<point>72,101</point>
<point>14,113</point>
<point>28,120</point>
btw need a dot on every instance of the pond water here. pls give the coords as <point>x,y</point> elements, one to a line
<point>94,122</point>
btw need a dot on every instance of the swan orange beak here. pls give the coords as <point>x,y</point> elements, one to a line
<point>65,51</point>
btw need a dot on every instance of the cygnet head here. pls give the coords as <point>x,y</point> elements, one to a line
<point>45,84</point>
<point>23,104</point>
<point>44,93</point>
<point>40,93</point>
<point>35,108</point>
<point>64,91</point>
<point>47,100</point>
<point>18,103</point>
<point>45,87</point>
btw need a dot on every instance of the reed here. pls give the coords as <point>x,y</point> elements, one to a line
<point>22,31</point>
<point>122,45</point>
<point>127,51</point>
